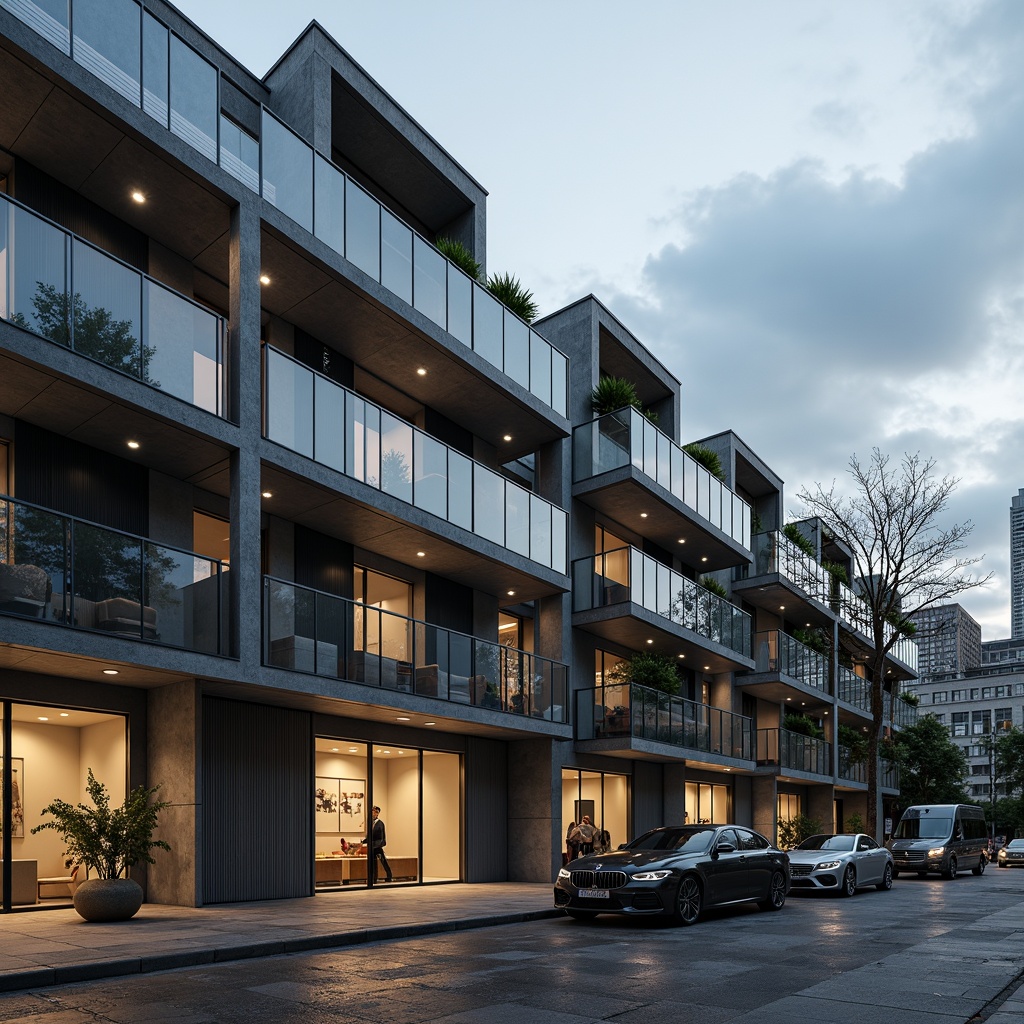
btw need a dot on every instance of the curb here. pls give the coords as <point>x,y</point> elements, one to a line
<point>45,977</point>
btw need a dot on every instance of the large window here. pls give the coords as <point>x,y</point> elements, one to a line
<point>708,803</point>
<point>602,796</point>
<point>419,795</point>
<point>52,751</point>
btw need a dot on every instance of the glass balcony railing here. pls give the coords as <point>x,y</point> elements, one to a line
<point>61,287</point>
<point>855,611</point>
<point>775,553</point>
<point>318,196</point>
<point>627,437</point>
<point>794,751</point>
<point>850,770</point>
<point>628,575</point>
<point>853,689</point>
<point>65,570</point>
<point>142,60</point>
<point>625,709</point>
<point>903,714</point>
<point>307,630</point>
<point>308,413</point>
<point>775,651</point>
<point>888,775</point>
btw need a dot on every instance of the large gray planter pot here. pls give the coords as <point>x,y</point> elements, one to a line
<point>108,899</point>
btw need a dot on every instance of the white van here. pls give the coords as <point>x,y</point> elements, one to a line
<point>943,838</point>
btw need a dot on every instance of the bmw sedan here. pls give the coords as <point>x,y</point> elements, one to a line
<point>840,863</point>
<point>677,872</point>
<point>1011,855</point>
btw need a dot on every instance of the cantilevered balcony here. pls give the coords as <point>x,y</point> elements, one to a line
<point>794,752</point>
<point>903,714</point>
<point>310,414</point>
<point>853,689</point>
<point>889,776</point>
<point>850,770</point>
<point>310,631</point>
<point>632,599</point>
<point>61,287</point>
<point>786,670</point>
<point>619,714</point>
<point>855,614</point>
<point>77,575</point>
<point>625,467</point>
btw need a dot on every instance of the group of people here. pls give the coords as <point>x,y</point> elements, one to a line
<point>584,838</point>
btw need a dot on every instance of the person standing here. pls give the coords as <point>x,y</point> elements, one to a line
<point>375,843</point>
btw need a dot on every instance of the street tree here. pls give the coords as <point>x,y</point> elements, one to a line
<point>933,769</point>
<point>904,561</point>
<point>1009,758</point>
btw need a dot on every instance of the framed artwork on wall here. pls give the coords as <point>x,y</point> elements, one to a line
<point>327,804</point>
<point>18,795</point>
<point>340,805</point>
<point>353,805</point>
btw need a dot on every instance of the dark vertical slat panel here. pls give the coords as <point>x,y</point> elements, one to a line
<point>486,770</point>
<point>648,805</point>
<point>448,604</point>
<point>257,784</point>
<point>72,478</point>
<point>323,562</point>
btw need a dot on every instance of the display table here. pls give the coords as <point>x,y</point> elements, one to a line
<point>342,870</point>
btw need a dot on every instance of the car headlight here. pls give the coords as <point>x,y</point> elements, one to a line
<point>562,873</point>
<point>1002,855</point>
<point>651,876</point>
<point>937,852</point>
<point>828,864</point>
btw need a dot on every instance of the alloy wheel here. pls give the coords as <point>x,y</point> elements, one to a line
<point>689,900</point>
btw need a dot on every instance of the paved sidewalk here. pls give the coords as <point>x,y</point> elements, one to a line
<point>55,947</point>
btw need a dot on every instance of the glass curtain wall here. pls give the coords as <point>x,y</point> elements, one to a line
<point>422,820</point>
<point>51,751</point>
<point>708,803</point>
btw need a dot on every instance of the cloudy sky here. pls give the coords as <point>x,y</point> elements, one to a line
<point>811,210</point>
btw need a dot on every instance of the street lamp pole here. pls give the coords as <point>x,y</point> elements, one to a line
<point>992,779</point>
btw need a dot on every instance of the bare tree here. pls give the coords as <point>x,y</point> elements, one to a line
<point>904,561</point>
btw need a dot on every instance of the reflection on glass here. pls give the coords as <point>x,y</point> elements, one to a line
<point>540,368</point>
<point>329,426</point>
<point>329,197</point>
<point>559,381</point>
<point>430,461</point>
<point>429,281</point>
<point>47,17</point>
<point>107,310</point>
<point>289,401</point>
<point>239,154</point>
<point>517,519</point>
<point>287,172</point>
<point>460,306</point>
<point>488,317</point>
<point>36,274</point>
<point>107,43</point>
<point>396,458</point>
<point>488,497</point>
<point>194,100</point>
<point>362,230</point>
<point>517,349</point>
<point>155,68</point>
<point>395,256</point>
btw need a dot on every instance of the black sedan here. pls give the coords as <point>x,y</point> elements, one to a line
<point>676,871</point>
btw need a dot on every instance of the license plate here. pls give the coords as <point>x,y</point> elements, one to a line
<point>595,894</point>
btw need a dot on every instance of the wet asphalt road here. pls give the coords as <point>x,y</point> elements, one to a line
<point>928,951</point>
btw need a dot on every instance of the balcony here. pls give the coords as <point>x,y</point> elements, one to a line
<point>889,776</point>
<point>623,464</point>
<point>634,600</point>
<point>903,714</point>
<point>853,689</point>
<point>64,289</point>
<point>850,770</point>
<point>793,751</point>
<point>67,571</point>
<point>306,630</point>
<point>627,711</point>
<point>786,670</point>
<point>312,415</point>
<point>784,577</point>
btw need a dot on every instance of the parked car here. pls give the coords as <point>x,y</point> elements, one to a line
<point>946,838</point>
<point>840,863</point>
<point>677,871</point>
<point>1011,855</point>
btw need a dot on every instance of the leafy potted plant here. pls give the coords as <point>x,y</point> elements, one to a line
<point>108,842</point>
<point>706,457</point>
<point>509,291</point>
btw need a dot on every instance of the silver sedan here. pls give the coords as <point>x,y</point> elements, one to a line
<point>840,863</point>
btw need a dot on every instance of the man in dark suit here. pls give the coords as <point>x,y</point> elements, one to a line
<point>375,843</point>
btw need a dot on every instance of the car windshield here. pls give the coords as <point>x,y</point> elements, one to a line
<point>828,843</point>
<point>1015,844</point>
<point>924,828</point>
<point>694,839</point>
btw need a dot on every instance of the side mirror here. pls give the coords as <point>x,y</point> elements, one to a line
<point>725,847</point>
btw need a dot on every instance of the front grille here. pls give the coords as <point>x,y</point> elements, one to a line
<point>599,879</point>
<point>796,870</point>
<point>910,856</point>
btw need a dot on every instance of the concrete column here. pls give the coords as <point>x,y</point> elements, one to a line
<point>173,755</point>
<point>674,794</point>
<point>535,837</point>
<point>820,805</point>
<point>765,805</point>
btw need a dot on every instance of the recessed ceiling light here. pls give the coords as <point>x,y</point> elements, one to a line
<point>43,718</point>
<point>422,371</point>
<point>511,593</point>
<point>430,723</point>
<point>782,607</point>
<point>682,655</point>
<point>643,515</point>
<point>508,437</point>
<point>268,494</point>
<point>387,751</point>
<point>650,641</point>
<point>404,718</point>
<point>64,714</point>
<point>264,279</point>
<point>705,558</point>
<point>421,554</point>
<point>334,750</point>
<point>789,698</point>
<point>353,750</point>
<point>133,444</point>
<point>707,668</point>
<point>138,196</point>
<point>682,540</point>
<point>110,671</point>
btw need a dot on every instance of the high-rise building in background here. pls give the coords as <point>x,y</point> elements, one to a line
<point>948,641</point>
<point>1017,564</point>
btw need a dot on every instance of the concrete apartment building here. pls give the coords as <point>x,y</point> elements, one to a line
<point>948,642</point>
<point>300,519</point>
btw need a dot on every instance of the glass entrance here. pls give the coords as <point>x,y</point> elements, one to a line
<point>602,797</point>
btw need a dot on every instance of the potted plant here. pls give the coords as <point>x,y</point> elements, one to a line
<point>108,842</point>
